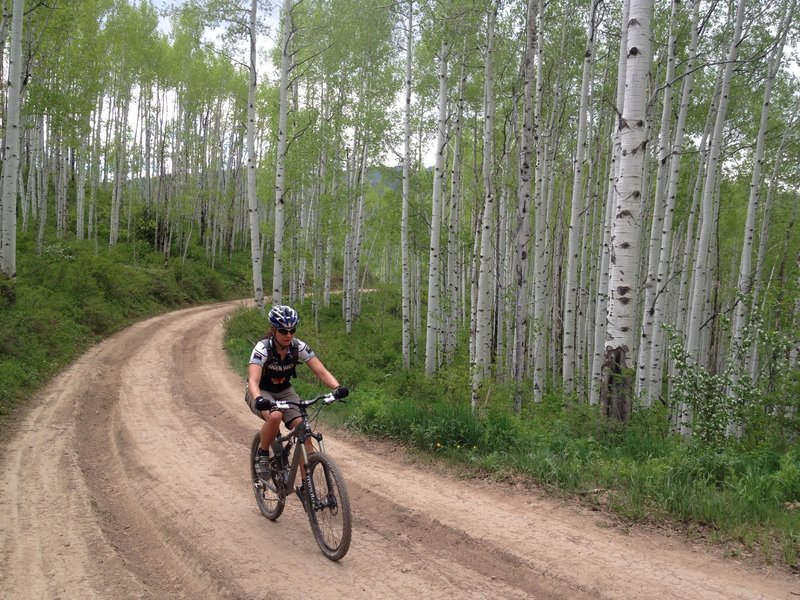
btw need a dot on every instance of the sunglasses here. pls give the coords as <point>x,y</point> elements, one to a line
<point>287,331</point>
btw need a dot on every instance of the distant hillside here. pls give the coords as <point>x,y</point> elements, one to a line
<point>382,178</point>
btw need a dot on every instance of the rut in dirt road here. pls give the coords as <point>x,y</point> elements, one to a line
<point>127,477</point>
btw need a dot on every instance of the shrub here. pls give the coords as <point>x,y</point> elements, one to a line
<point>786,480</point>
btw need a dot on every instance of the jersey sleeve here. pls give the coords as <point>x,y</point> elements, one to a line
<point>259,354</point>
<point>304,352</point>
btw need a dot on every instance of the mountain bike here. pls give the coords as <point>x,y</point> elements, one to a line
<point>323,491</point>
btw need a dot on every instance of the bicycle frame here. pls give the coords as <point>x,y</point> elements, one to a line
<point>297,437</point>
<point>323,491</point>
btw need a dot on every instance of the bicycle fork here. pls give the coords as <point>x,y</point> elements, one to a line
<point>301,458</point>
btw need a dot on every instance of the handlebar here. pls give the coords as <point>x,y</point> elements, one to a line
<point>328,398</point>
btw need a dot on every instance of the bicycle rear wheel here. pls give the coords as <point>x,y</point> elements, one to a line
<point>328,506</point>
<point>269,499</point>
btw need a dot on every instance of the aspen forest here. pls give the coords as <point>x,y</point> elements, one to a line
<point>593,199</point>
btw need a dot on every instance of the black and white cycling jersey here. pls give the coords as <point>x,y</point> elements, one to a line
<point>278,371</point>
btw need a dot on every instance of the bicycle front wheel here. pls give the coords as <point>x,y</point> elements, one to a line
<point>266,488</point>
<point>328,506</point>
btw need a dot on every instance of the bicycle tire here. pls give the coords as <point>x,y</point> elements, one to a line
<point>329,513</point>
<point>270,501</point>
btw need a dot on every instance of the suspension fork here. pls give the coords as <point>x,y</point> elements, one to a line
<point>310,491</point>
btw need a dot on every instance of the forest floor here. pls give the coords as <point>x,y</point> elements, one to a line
<point>128,477</point>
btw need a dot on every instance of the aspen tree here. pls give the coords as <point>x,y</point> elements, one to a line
<point>523,233</point>
<point>626,217</point>
<point>11,161</point>
<point>433,320</point>
<point>280,162</point>
<point>483,313</point>
<point>766,220</point>
<point>746,280</point>
<point>252,198</point>
<point>539,266</point>
<point>404,251</point>
<point>454,278</point>
<point>659,302</point>
<point>602,296</point>
<point>657,233</point>
<point>683,414</point>
<point>576,211</point>
<point>694,345</point>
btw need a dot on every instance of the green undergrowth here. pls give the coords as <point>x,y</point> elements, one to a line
<point>74,294</point>
<point>746,496</point>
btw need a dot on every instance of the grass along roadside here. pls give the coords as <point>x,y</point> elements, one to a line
<point>742,496</point>
<point>70,297</point>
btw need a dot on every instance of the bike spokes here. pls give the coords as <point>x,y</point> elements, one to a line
<point>266,486</point>
<point>328,507</point>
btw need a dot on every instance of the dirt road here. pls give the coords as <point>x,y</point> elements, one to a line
<point>128,478</point>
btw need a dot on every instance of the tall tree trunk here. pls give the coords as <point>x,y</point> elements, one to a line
<point>454,280</point>
<point>120,143</point>
<point>80,188</point>
<point>766,219</point>
<point>433,327</point>
<point>252,198</point>
<point>523,233</point>
<point>8,247</point>
<point>280,168</point>
<point>698,295</point>
<point>576,211</point>
<point>626,224</point>
<point>42,179</point>
<point>540,221</point>
<point>483,320</point>
<point>746,278</point>
<point>657,351</point>
<point>601,304</point>
<point>406,274</point>
<point>657,230</point>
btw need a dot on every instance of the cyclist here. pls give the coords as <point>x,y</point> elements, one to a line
<point>272,365</point>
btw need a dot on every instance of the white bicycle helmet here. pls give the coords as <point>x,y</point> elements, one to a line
<point>283,317</point>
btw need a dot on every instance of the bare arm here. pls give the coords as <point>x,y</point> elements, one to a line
<point>254,379</point>
<point>322,373</point>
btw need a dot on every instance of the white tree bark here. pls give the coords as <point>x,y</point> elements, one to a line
<point>454,280</point>
<point>540,222</point>
<point>483,318</point>
<point>766,219</point>
<point>746,275</point>
<point>659,302</point>
<point>433,327</point>
<point>523,234</point>
<point>280,166</point>
<point>354,238</point>
<point>601,304</point>
<point>120,143</point>
<point>568,355</point>
<point>80,189</point>
<point>682,417</point>
<point>406,275</point>
<point>61,177</point>
<point>699,290</point>
<point>8,247</point>
<point>626,224</point>
<point>504,253</point>
<point>657,229</point>
<point>252,198</point>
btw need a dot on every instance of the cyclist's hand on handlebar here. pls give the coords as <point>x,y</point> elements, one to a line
<point>264,404</point>
<point>340,392</point>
